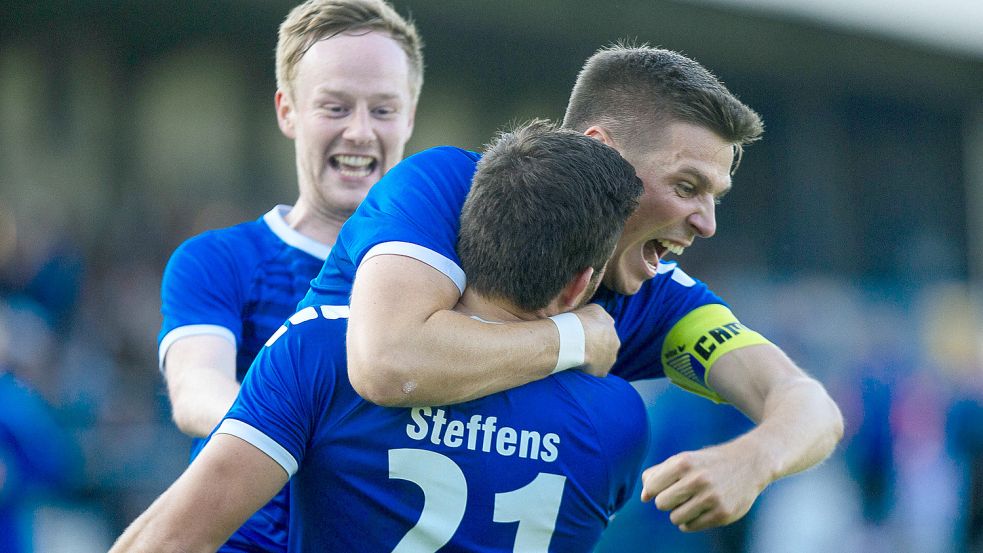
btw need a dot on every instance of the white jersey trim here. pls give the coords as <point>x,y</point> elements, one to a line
<point>190,330</point>
<point>678,274</point>
<point>260,441</point>
<point>275,219</point>
<point>420,253</point>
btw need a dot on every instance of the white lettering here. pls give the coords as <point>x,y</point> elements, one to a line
<point>438,424</point>
<point>505,441</point>
<point>529,444</point>
<point>473,426</point>
<point>422,427</point>
<point>550,441</point>
<point>489,428</point>
<point>452,438</point>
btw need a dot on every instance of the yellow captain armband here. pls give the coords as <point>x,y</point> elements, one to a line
<point>695,343</point>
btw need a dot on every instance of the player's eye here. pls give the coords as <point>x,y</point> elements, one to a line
<point>685,189</point>
<point>335,110</point>
<point>384,111</point>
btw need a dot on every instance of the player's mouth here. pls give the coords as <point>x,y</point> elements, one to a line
<point>355,166</point>
<point>651,253</point>
<point>671,247</point>
<point>655,249</point>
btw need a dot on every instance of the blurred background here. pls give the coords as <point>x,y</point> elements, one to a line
<point>853,237</point>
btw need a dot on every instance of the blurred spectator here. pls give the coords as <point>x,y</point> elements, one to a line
<point>39,463</point>
<point>964,431</point>
<point>927,496</point>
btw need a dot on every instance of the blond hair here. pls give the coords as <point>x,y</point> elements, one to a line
<point>316,20</point>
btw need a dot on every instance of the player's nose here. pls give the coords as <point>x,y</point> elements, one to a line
<point>359,128</point>
<point>704,218</point>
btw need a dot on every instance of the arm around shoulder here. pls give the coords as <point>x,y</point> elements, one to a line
<point>406,346</point>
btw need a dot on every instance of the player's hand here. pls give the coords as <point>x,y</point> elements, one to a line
<point>602,342</point>
<point>703,489</point>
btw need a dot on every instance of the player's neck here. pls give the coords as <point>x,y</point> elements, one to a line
<point>317,225</point>
<point>493,310</point>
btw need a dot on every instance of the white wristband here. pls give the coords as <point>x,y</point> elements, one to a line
<point>572,341</point>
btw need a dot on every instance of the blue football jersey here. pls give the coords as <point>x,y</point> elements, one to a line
<point>415,210</point>
<point>240,283</point>
<point>542,467</point>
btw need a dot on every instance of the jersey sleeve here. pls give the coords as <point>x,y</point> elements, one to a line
<point>413,211</point>
<point>676,327</point>
<point>199,293</point>
<point>644,320</point>
<point>697,340</point>
<point>285,395</point>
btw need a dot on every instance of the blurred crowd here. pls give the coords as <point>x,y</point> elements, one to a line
<point>122,134</point>
<point>86,441</point>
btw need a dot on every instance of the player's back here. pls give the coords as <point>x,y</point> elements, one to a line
<point>542,467</point>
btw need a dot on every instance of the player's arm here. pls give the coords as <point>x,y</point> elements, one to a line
<point>406,346</point>
<point>797,426</point>
<point>201,384</point>
<point>228,481</point>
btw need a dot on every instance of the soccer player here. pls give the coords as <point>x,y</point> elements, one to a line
<point>536,468</point>
<point>683,131</point>
<point>349,74</point>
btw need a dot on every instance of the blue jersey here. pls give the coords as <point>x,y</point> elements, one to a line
<point>542,467</point>
<point>414,211</point>
<point>240,283</point>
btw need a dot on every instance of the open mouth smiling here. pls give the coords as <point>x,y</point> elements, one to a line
<point>351,165</point>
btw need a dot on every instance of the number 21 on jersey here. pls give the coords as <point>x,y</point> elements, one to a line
<point>445,495</point>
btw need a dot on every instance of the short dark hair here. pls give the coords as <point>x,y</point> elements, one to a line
<point>545,203</point>
<point>635,91</point>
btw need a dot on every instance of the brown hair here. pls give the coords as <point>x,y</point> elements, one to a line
<point>545,203</point>
<point>633,91</point>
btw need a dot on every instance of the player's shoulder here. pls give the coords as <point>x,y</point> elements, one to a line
<point>435,164</point>
<point>438,177</point>
<point>670,273</point>
<point>591,391</point>
<point>313,329</point>
<point>613,406</point>
<point>311,346</point>
<point>236,241</point>
<point>447,153</point>
<point>671,286</point>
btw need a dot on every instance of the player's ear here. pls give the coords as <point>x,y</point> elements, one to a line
<point>573,292</point>
<point>602,134</point>
<point>284,113</point>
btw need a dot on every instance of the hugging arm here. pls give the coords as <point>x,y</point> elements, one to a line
<point>406,346</point>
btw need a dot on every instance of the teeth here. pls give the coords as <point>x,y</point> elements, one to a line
<point>352,173</point>
<point>673,248</point>
<point>353,161</point>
